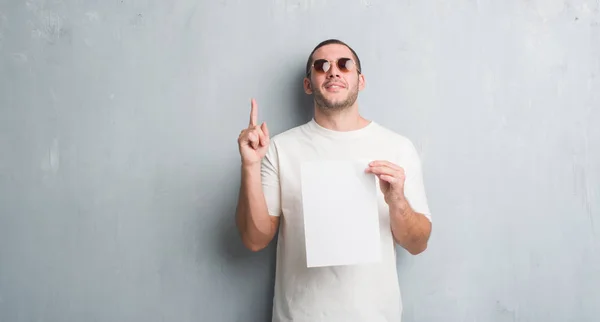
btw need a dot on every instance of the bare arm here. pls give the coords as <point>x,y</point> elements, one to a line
<point>253,221</point>
<point>257,228</point>
<point>410,229</point>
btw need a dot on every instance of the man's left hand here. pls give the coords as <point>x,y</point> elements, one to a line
<point>391,181</point>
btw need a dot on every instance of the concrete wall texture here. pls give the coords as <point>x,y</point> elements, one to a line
<point>119,166</point>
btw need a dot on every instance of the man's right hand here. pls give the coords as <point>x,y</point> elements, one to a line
<point>254,140</point>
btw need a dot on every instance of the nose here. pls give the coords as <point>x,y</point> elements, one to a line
<point>333,71</point>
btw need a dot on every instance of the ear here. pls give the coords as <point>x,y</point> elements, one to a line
<point>361,81</point>
<point>307,86</point>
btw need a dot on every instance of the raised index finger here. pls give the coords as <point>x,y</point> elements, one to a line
<point>253,113</point>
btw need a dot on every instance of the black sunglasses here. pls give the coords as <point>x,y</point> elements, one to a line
<point>344,64</point>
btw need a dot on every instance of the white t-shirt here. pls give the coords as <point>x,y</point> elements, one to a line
<point>339,293</point>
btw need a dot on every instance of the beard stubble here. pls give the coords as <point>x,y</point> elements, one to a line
<point>328,106</point>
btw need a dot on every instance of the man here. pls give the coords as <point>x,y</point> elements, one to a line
<point>271,192</point>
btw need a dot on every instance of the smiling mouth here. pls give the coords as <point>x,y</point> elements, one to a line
<point>335,86</point>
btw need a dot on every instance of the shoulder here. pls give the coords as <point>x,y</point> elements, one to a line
<point>405,150</point>
<point>288,140</point>
<point>292,135</point>
<point>393,138</point>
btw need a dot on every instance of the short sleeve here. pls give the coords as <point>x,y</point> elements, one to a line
<point>414,187</point>
<point>270,180</point>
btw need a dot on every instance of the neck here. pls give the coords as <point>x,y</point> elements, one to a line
<point>347,119</point>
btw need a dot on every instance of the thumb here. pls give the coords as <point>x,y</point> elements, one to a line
<point>265,140</point>
<point>264,128</point>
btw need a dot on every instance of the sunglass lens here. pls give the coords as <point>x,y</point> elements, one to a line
<point>322,65</point>
<point>345,64</point>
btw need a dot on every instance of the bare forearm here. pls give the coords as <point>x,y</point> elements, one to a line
<point>253,220</point>
<point>410,229</point>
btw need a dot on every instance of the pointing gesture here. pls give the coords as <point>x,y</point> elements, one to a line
<point>253,112</point>
<point>254,140</point>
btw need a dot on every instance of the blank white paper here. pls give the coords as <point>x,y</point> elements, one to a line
<point>341,222</point>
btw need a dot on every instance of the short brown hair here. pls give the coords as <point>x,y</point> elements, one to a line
<point>328,42</point>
